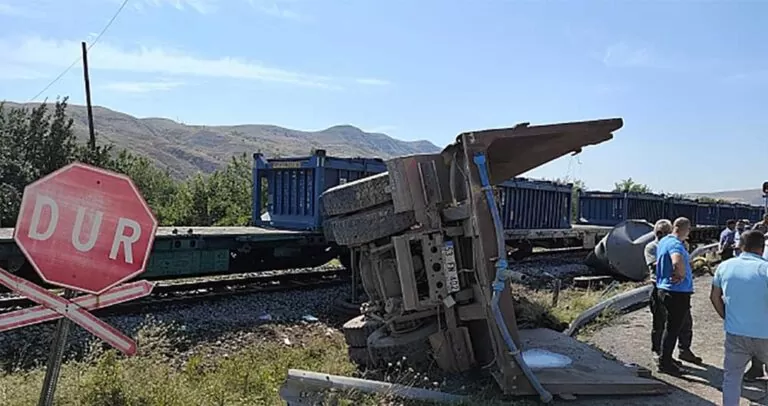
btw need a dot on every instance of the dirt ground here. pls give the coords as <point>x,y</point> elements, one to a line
<point>629,340</point>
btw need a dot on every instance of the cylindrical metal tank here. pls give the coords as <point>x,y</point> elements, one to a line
<point>622,251</point>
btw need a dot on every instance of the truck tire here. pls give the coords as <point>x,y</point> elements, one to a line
<point>412,348</point>
<point>368,226</point>
<point>357,195</point>
<point>357,330</point>
<point>359,356</point>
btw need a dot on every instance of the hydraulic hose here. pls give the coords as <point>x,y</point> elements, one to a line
<point>502,274</point>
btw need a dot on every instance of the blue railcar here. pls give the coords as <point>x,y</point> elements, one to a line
<point>294,186</point>
<point>749,212</point>
<point>534,204</point>
<point>707,214</point>
<point>726,211</point>
<point>678,207</point>
<point>611,208</point>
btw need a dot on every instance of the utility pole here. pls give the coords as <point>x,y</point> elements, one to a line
<point>91,131</point>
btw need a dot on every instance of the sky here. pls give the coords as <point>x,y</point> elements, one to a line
<point>689,78</point>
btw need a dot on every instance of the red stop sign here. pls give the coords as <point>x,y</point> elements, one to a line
<point>85,228</point>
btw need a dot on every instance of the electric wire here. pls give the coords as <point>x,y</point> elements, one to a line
<point>95,41</point>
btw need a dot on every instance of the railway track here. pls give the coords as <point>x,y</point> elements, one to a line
<point>181,293</point>
<point>558,252</point>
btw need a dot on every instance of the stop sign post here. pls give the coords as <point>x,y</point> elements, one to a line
<point>85,229</point>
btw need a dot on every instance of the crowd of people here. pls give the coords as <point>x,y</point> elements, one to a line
<point>739,295</point>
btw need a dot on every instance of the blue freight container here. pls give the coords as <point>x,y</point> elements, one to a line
<point>535,205</point>
<point>611,208</point>
<point>601,208</point>
<point>748,212</point>
<point>677,207</point>
<point>706,214</point>
<point>645,206</point>
<point>294,186</point>
<point>757,213</point>
<point>726,211</point>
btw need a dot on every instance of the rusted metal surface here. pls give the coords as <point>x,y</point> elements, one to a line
<point>443,283</point>
<point>511,152</point>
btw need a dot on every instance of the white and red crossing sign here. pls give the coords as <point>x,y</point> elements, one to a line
<point>85,229</point>
<point>53,307</point>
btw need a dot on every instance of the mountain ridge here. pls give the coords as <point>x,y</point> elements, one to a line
<point>184,149</point>
<point>750,196</point>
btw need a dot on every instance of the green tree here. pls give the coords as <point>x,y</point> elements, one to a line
<point>231,193</point>
<point>629,185</point>
<point>35,142</point>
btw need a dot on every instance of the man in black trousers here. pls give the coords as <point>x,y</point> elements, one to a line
<point>661,229</point>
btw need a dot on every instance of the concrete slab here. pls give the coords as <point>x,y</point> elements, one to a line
<point>591,372</point>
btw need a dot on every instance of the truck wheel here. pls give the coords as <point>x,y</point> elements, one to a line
<point>357,195</point>
<point>357,330</point>
<point>412,348</point>
<point>368,226</point>
<point>359,355</point>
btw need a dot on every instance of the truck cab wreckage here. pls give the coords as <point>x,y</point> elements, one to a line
<point>428,241</point>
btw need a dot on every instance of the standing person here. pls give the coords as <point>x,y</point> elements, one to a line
<point>661,229</point>
<point>757,368</point>
<point>762,226</point>
<point>740,296</point>
<point>739,230</point>
<point>674,281</point>
<point>727,240</point>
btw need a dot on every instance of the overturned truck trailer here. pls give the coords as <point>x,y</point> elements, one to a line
<point>429,246</point>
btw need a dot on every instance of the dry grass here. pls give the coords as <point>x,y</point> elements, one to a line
<point>534,307</point>
<point>253,374</point>
<point>250,376</point>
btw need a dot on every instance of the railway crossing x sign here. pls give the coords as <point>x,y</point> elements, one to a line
<point>54,307</point>
<point>50,310</point>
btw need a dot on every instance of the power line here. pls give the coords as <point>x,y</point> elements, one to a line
<point>106,27</point>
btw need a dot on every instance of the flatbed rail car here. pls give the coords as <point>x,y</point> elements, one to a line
<point>286,236</point>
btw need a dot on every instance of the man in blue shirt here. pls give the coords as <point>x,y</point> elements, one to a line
<point>728,240</point>
<point>740,296</point>
<point>674,282</point>
<point>661,229</point>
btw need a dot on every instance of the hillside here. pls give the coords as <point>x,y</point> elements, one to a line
<point>751,196</point>
<point>186,149</point>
